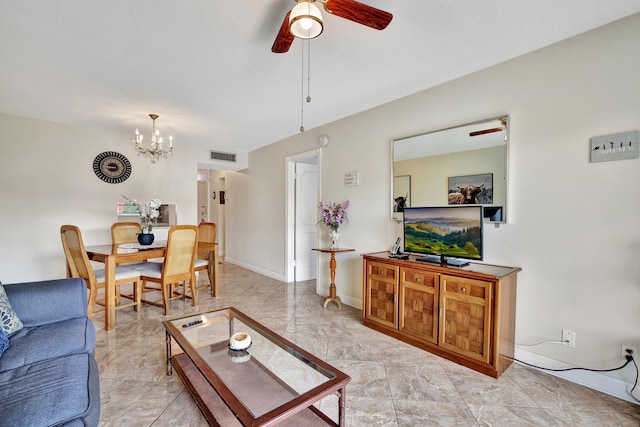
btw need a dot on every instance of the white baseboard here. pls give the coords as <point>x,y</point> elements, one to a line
<point>255,269</point>
<point>595,380</point>
<point>350,301</point>
<point>346,300</point>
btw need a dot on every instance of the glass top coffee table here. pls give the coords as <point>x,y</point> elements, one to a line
<point>273,381</point>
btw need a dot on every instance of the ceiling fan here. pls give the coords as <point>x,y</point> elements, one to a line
<point>503,122</point>
<point>485,131</point>
<point>305,20</point>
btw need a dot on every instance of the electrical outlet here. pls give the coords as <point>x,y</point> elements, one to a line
<point>623,352</point>
<point>569,338</point>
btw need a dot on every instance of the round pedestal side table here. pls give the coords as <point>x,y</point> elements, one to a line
<point>332,265</point>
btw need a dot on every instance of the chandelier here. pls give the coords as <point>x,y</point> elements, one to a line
<point>155,150</point>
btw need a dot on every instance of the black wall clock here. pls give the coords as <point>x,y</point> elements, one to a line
<point>112,167</point>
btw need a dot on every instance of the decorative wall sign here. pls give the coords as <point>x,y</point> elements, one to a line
<point>401,195</point>
<point>351,179</point>
<point>618,146</point>
<point>471,189</point>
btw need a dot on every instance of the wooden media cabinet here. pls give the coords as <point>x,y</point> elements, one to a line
<point>464,314</point>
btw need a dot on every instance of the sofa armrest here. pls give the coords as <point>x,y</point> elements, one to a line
<point>39,303</point>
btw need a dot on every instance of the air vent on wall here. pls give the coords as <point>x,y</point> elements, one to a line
<point>225,157</point>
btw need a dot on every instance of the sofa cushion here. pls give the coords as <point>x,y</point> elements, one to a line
<point>4,341</point>
<point>8,318</point>
<point>31,345</point>
<point>56,392</point>
<point>49,301</point>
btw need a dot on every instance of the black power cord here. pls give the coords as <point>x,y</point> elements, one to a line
<point>629,358</point>
<point>635,384</point>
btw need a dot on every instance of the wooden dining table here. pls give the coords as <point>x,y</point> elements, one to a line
<point>112,255</point>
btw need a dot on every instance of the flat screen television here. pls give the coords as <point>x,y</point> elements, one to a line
<point>447,234</point>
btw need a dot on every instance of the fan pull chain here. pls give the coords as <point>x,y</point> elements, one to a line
<point>308,71</point>
<point>302,98</point>
<point>302,90</point>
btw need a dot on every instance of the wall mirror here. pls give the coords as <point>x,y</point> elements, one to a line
<point>464,164</point>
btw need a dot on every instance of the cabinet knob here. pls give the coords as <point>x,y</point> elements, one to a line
<point>464,289</point>
<point>381,271</point>
<point>418,279</point>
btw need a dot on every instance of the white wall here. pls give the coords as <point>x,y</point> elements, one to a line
<point>47,179</point>
<point>574,226</point>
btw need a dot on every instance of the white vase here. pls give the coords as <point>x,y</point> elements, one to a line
<point>334,236</point>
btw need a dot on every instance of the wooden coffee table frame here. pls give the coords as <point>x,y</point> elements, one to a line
<point>218,403</point>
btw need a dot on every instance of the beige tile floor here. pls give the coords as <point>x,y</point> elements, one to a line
<point>392,384</point>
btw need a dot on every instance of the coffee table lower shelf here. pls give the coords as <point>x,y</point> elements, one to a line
<point>215,410</point>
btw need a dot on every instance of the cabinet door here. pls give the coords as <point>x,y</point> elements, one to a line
<point>465,310</point>
<point>418,303</point>
<point>381,290</point>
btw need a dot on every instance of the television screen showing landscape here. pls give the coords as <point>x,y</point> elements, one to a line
<point>454,231</point>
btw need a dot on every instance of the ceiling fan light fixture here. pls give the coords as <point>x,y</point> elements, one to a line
<point>305,21</point>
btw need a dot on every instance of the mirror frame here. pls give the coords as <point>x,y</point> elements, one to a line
<point>506,123</point>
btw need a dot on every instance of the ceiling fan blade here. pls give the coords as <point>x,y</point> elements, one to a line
<point>284,38</point>
<point>485,131</point>
<point>360,13</point>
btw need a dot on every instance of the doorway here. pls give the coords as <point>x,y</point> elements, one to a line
<point>211,185</point>
<point>303,190</point>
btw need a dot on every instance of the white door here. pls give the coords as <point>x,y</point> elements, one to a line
<point>306,228</point>
<point>203,201</point>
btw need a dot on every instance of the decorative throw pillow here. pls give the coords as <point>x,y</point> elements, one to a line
<point>4,341</point>
<point>8,318</point>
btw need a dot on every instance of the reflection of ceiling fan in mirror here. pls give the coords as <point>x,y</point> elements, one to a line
<point>503,122</point>
<point>305,20</point>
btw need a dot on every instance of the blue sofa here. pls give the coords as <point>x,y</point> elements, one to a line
<point>48,374</point>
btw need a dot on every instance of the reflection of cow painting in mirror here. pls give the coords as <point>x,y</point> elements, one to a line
<point>471,189</point>
<point>399,203</point>
<point>401,195</point>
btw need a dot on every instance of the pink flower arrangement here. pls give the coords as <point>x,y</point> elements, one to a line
<point>333,214</point>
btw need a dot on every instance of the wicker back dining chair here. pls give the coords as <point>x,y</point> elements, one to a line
<point>79,265</point>
<point>206,233</point>
<point>125,232</point>
<point>177,268</point>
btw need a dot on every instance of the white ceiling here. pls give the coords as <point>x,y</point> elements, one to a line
<point>207,69</point>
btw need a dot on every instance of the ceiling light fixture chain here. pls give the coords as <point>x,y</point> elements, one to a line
<point>308,71</point>
<point>155,150</point>
<point>302,90</point>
